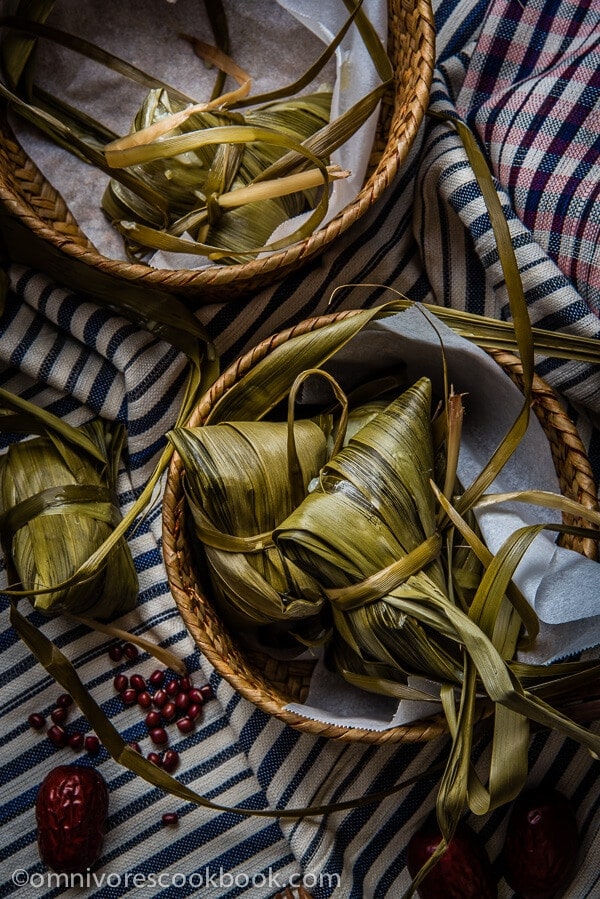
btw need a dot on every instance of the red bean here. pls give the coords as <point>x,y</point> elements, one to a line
<point>115,653</point>
<point>121,682</point>
<point>75,741</point>
<point>59,715</point>
<point>206,691</point>
<point>157,678</point>
<point>194,711</point>
<point>169,711</point>
<point>195,696</point>
<point>137,682</point>
<point>135,746</point>
<point>185,725</point>
<point>64,701</point>
<point>153,719</point>
<point>144,699</point>
<point>129,696</point>
<point>92,744</point>
<point>36,720</point>
<point>170,819</point>
<point>57,735</point>
<point>182,701</point>
<point>172,687</point>
<point>130,651</point>
<point>170,760</point>
<point>155,759</point>
<point>159,736</point>
<point>185,684</point>
<point>160,697</point>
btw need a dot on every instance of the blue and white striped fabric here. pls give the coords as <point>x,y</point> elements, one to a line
<point>431,239</point>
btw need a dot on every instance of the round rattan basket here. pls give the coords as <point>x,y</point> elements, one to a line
<point>38,228</point>
<point>269,683</point>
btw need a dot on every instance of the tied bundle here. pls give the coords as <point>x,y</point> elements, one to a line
<point>368,534</point>
<point>58,506</point>
<point>241,481</point>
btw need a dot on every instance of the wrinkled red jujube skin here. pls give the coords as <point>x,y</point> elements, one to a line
<point>542,844</point>
<point>463,872</point>
<point>71,811</point>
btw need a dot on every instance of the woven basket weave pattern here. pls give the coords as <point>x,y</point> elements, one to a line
<point>28,200</point>
<point>271,684</point>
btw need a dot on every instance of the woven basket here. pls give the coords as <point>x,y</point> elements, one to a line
<point>271,684</point>
<point>38,228</point>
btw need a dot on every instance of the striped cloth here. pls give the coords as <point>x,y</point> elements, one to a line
<point>525,76</point>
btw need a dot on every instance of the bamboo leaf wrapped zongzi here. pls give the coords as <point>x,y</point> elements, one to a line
<point>238,488</point>
<point>58,504</point>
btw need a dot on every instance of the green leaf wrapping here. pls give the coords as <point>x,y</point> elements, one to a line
<point>58,506</point>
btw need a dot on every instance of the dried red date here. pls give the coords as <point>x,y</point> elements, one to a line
<point>71,812</point>
<point>541,845</point>
<point>463,871</point>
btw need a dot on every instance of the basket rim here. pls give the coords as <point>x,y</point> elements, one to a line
<point>187,595</point>
<point>422,43</point>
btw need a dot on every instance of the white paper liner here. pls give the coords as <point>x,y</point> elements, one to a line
<point>147,35</point>
<point>561,585</point>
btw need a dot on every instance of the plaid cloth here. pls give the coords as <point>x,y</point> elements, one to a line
<point>525,76</point>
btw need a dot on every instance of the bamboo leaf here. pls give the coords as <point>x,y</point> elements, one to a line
<point>16,49</point>
<point>91,51</point>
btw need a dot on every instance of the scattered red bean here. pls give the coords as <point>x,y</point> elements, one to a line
<point>121,682</point>
<point>170,819</point>
<point>59,715</point>
<point>115,653</point>
<point>64,701</point>
<point>169,711</point>
<point>153,719</point>
<point>172,687</point>
<point>36,720</point>
<point>159,736</point>
<point>170,760</point>
<point>92,744</point>
<point>144,699</point>
<point>157,678</point>
<point>159,699</point>
<point>206,691</point>
<point>182,701</point>
<point>195,696</point>
<point>155,759</point>
<point>57,735</point>
<point>137,682</point>
<point>130,651</point>
<point>185,684</point>
<point>185,725</point>
<point>129,696</point>
<point>75,741</point>
<point>135,746</point>
<point>194,711</point>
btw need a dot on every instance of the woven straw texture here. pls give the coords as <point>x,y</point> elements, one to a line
<point>271,684</point>
<point>38,227</point>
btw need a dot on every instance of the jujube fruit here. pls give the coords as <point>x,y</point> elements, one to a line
<point>71,812</point>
